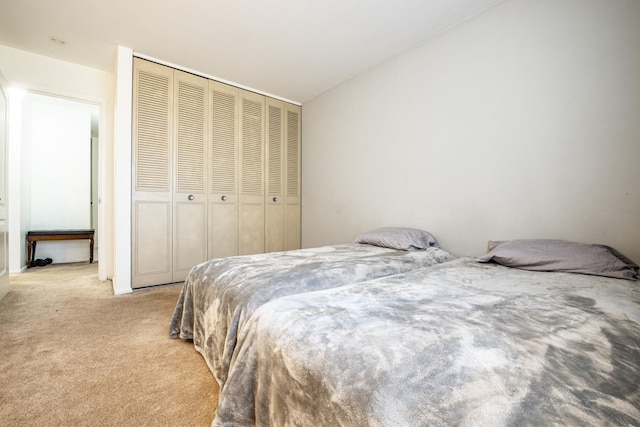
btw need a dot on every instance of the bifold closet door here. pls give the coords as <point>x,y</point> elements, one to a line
<point>274,169</point>
<point>282,201</point>
<point>216,173</point>
<point>292,186</point>
<point>151,167</point>
<point>251,197</point>
<point>223,170</point>
<point>190,153</point>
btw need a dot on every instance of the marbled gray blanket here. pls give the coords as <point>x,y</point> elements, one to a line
<point>219,295</point>
<point>461,343</point>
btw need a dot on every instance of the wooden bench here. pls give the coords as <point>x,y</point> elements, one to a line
<point>33,237</point>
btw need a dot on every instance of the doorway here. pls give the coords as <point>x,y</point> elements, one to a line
<point>57,174</point>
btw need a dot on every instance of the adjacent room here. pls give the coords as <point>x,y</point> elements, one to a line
<point>288,198</point>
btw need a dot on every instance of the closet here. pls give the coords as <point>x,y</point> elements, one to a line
<point>216,172</point>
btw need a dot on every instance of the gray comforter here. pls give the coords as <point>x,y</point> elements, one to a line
<point>220,295</point>
<point>461,343</point>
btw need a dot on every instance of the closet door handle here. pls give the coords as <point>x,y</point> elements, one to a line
<point>223,198</point>
<point>275,199</point>
<point>190,197</point>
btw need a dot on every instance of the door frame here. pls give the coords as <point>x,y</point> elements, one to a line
<point>16,233</point>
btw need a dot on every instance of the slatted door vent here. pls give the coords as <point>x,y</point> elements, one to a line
<point>293,163</point>
<point>152,167</point>
<point>251,148</point>
<point>223,143</point>
<point>275,150</point>
<point>190,138</point>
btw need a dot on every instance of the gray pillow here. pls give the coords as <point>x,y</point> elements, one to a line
<point>407,239</point>
<point>561,255</point>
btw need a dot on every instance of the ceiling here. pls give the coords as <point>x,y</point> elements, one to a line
<point>293,49</point>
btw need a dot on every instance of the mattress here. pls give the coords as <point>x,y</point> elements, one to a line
<point>220,295</point>
<point>459,343</point>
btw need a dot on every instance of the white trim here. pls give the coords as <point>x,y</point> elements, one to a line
<point>105,188</point>
<point>14,189</point>
<point>122,171</point>
<point>198,73</point>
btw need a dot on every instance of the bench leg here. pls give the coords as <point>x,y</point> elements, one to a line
<point>91,251</point>
<point>31,253</point>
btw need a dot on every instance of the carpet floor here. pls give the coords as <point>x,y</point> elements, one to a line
<point>72,353</point>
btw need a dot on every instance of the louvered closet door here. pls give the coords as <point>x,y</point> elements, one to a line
<point>151,167</point>
<point>190,196</point>
<point>292,187</point>
<point>251,202</point>
<point>223,170</point>
<point>274,169</point>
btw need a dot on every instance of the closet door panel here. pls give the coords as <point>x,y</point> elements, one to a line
<point>223,228</point>
<point>274,226</point>
<point>151,169</point>
<point>190,239</point>
<point>252,233</point>
<point>223,170</point>
<point>251,202</point>
<point>190,153</point>
<point>274,169</point>
<point>292,186</point>
<point>152,245</point>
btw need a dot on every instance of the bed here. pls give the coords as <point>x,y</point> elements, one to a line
<point>220,295</point>
<point>466,342</point>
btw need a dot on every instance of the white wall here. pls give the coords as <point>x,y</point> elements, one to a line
<point>37,73</point>
<point>57,142</point>
<point>521,123</point>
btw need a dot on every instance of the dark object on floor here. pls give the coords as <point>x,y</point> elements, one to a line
<point>42,262</point>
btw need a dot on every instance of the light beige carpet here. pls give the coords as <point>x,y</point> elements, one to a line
<point>72,353</point>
